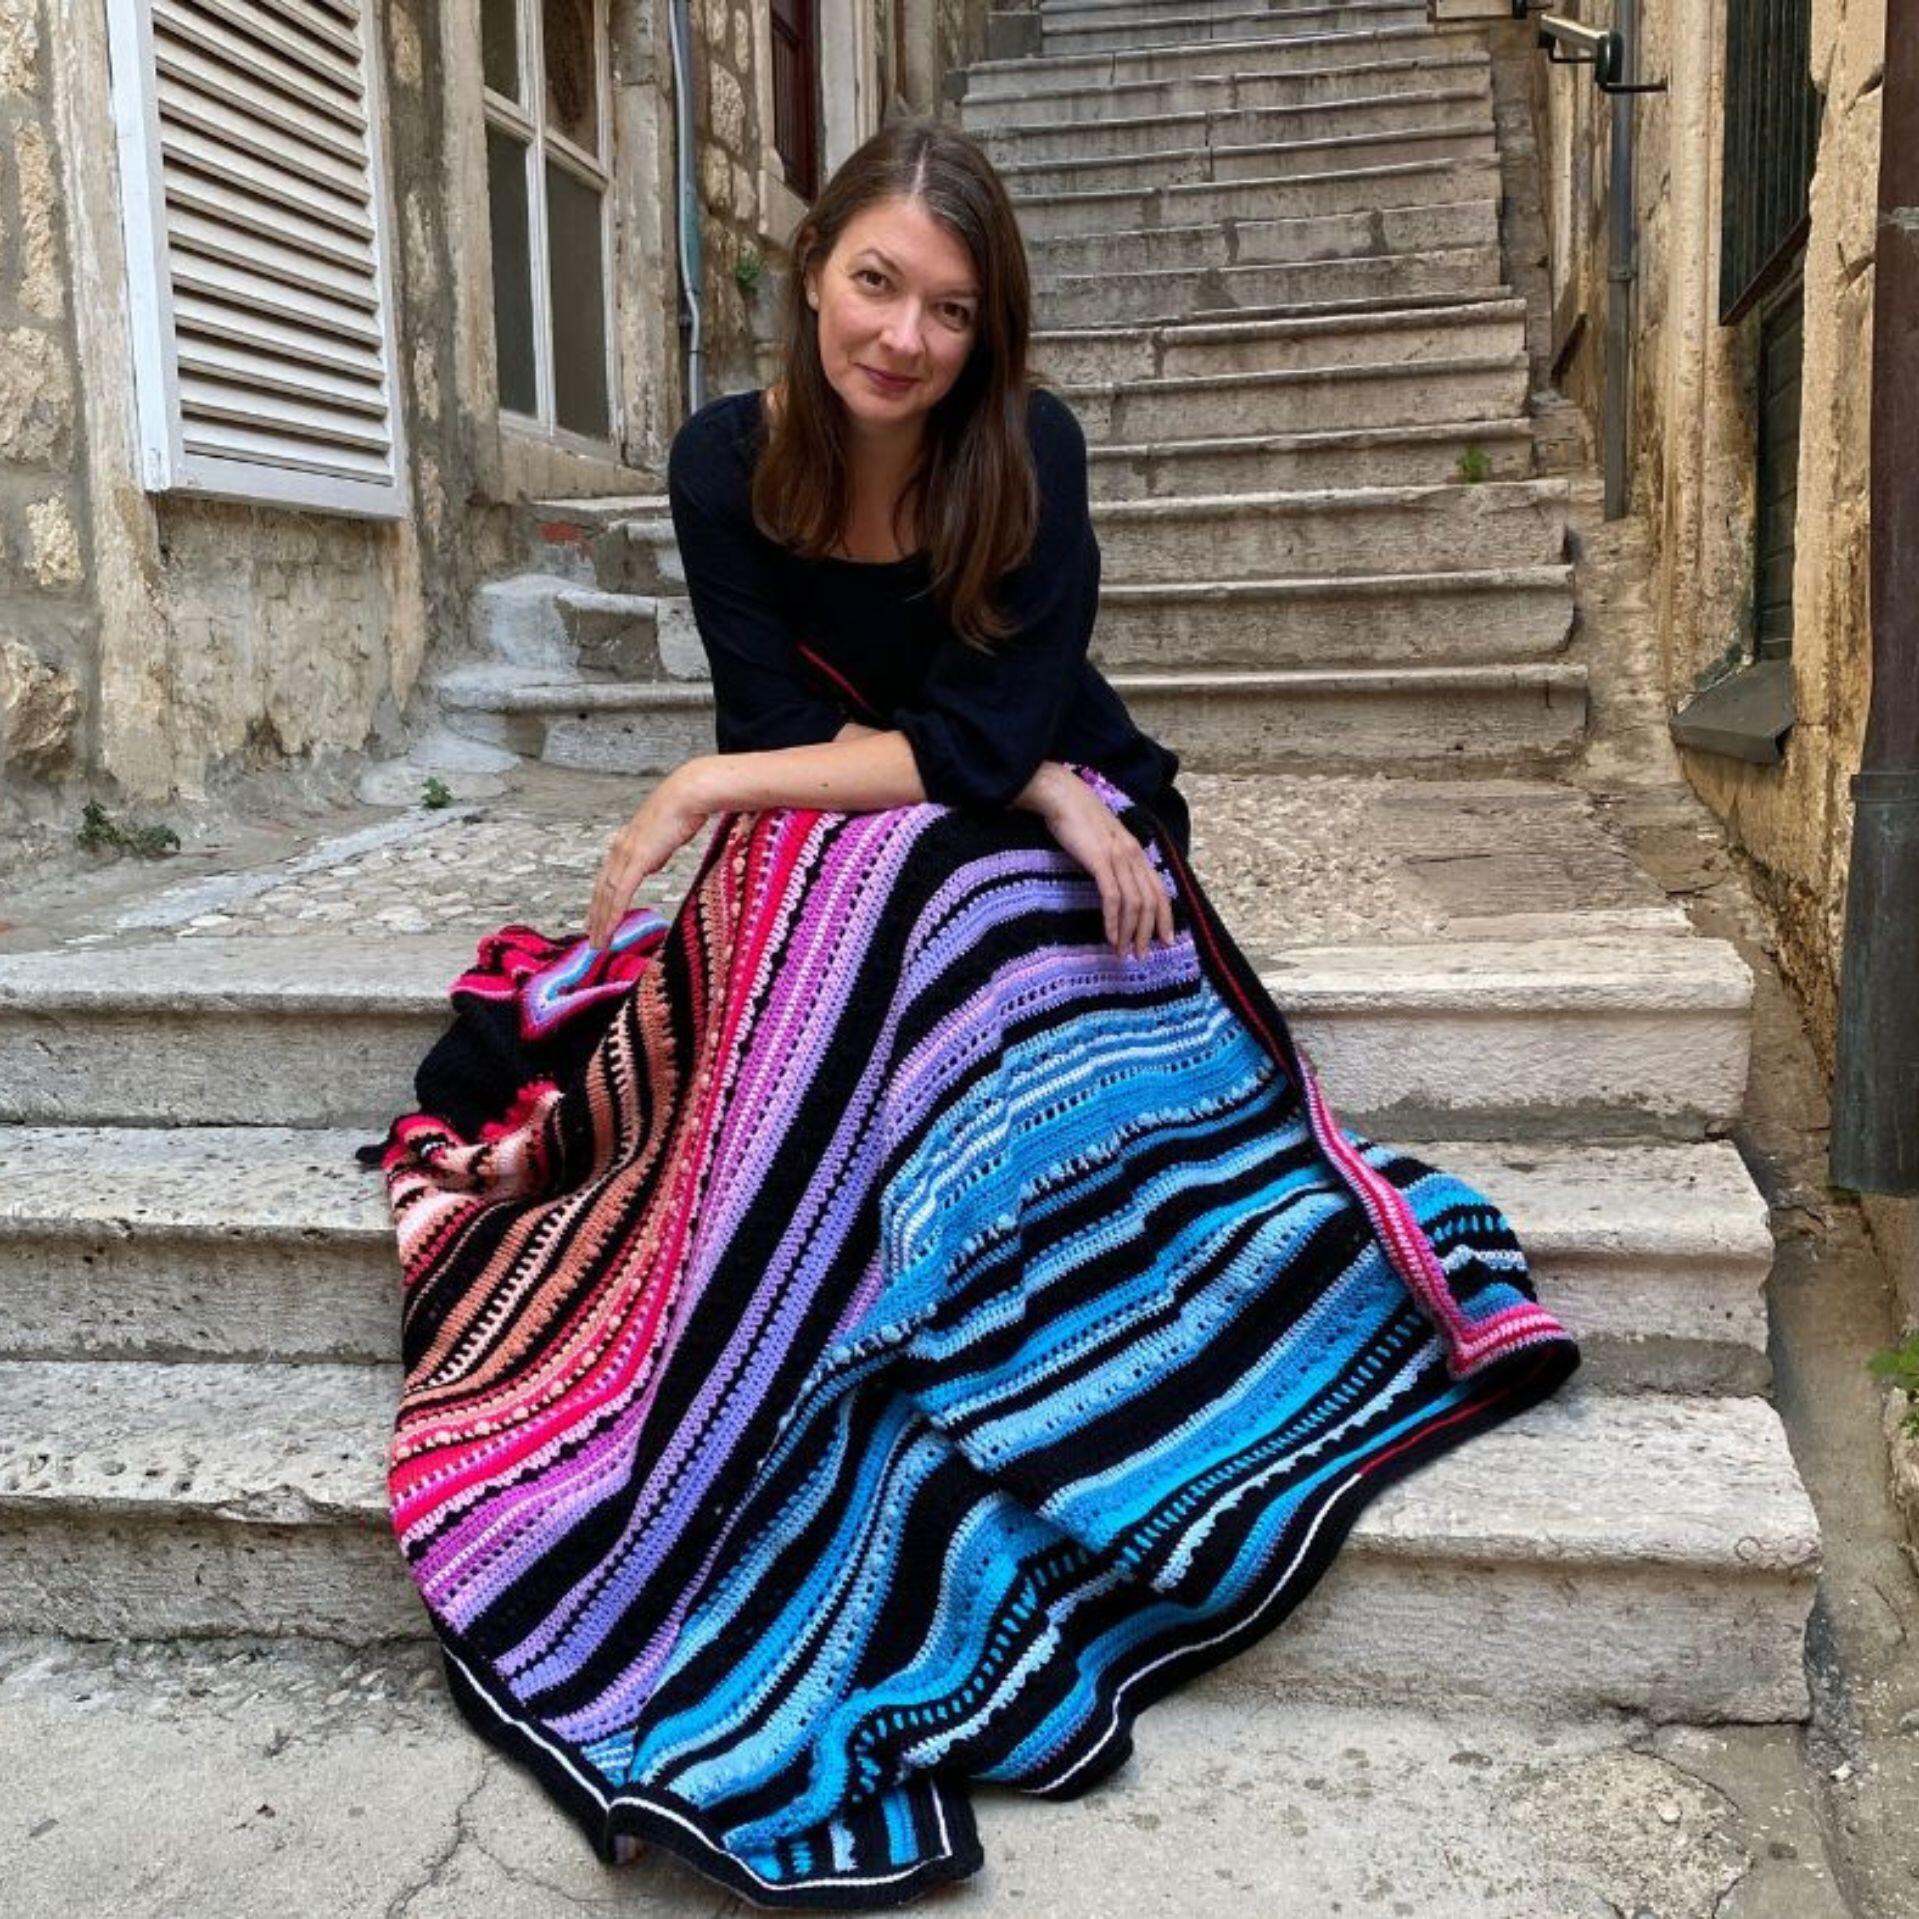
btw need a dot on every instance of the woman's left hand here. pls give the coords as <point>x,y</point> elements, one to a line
<point>670,815</point>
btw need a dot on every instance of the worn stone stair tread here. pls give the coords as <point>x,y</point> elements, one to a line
<point>1188,9</point>
<point>1483,169</point>
<point>1248,54</point>
<point>1316,585</point>
<point>1646,973</point>
<point>483,681</point>
<point>1358,116</point>
<point>593,599</point>
<point>1079,391</point>
<point>1584,1034</point>
<point>532,695</point>
<point>1309,439</point>
<point>1392,318</point>
<point>327,972</point>
<point>1200,18</point>
<point>1344,152</point>
<point>1324,85</point>
<point>1476,248</point>
<point>261,1183</point>
<point>1549,490</point>
<point>1583,1480</point>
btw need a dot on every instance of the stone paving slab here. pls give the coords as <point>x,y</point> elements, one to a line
<point>226,1780</point>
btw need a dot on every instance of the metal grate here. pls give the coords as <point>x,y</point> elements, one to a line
<point>1771,141</point>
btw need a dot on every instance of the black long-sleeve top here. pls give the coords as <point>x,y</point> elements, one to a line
<point>797,647</point>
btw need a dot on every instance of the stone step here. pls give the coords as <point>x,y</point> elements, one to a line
<point>1026,94</point>
<point>1297,55</point>
<point>1465,329</point>
<point>1449,123</point>
<point>1226,536</point>
<point>1448,718</point>
<point>518,620</point>
<point>1183,293</point>
<point>1391,456</point>
<point>1483,614</point>
<point>268,1243</point>
<point>1255,536</point>
<point>1218,537</point>
<point>1670,1541</point>
<point>1308,217</point>
<point>1390,392</point>
<point>1627,1033</point>
<point>1188,25</point>
<point>1059,12</point>
<point>1397,619</point>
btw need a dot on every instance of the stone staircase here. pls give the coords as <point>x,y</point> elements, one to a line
<point>1270,283</point>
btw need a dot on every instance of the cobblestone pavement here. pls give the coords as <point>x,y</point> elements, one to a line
<point>1288,861</point>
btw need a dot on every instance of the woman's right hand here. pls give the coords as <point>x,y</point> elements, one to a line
<point>1132,899</point>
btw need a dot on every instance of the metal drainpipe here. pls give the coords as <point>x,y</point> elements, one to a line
<point>1622,266</point>
<point>680,36</point>
<point>1874,1144</point>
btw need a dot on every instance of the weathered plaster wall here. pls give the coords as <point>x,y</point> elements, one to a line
<point>1693,433</point>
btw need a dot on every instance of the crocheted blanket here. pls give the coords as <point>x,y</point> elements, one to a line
<point>864,1337</point>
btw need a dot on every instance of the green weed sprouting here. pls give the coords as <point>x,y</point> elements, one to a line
<point>100,832</point>
<point>1474,466</point>
<point>1900,1364</point>
<point>436,793</point>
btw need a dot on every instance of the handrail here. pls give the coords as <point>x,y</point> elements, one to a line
<point>1596,47</point>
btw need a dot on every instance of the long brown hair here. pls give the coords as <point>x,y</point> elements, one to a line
<point>978,495</point>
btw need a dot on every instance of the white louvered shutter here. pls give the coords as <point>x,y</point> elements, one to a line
<point>257,250</point>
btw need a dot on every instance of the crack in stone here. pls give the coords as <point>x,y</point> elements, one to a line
<point>1734,1813</point>
<point>436,1868</point>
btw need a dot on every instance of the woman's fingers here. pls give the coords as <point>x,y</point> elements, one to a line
<point>620,874</point>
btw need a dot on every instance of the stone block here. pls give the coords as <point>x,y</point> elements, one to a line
<point>36,398</point>
<point>39,709</point>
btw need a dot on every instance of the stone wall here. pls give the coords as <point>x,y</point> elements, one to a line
<point>1693,432</point>
<point>48,616</point>
<point>153,648</point>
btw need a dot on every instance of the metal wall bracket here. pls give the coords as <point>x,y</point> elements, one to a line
<point>1568,44</point>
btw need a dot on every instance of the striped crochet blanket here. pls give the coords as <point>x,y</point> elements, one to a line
<point>864,1337</point>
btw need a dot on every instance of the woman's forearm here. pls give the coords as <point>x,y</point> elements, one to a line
<point>860,770</point>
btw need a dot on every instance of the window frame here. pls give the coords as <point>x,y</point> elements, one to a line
<point>526,123</point>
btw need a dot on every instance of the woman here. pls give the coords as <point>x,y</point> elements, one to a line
<point>881,1329</point>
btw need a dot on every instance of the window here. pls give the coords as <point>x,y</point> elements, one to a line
<point>796,126</point>
<point>259,286</point>
<point>544,65</point>
<point>1770,144</point>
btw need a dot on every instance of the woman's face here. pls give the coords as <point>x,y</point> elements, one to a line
<point>897,295</point>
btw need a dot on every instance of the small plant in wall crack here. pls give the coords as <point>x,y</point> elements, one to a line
<point>100,832</point>
<point>436,793</point>
<point>749,271</point>
<point>1474,465</point>
<point>1900,1365</point>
